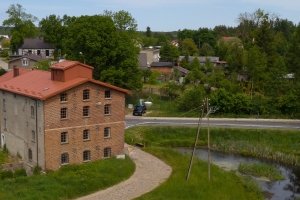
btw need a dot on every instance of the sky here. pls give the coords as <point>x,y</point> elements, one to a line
<point>162,15</point>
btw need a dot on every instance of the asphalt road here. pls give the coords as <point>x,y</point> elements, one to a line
<point>214,122</point>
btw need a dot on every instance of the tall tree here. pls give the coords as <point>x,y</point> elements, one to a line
<point>292,56</point>
<point>112,53</point>
<point>189,45</point>
<point>123,20</point>
<point>169,53</point>
<point>206,50</point>
<point>148,32</point>
<point>22,25</point>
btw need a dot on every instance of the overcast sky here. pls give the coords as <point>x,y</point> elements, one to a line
<point>162,15</point>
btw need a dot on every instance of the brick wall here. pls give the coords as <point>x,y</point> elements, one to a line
<point>76,124</point>
<point>162,70</point>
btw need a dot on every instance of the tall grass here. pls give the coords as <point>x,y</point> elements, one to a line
<point>278,145</point>
<point>257,169</point>
<point>223,185</point>
<point>70,181</point>
<point>3,157</point>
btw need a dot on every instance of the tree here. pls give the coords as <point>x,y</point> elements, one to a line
<point>43,65</point>
<point>256,63</point>
<point>293,52</point>
<point>191,99</point>
<point>169,53</point>
<point>146,74</point>
<point>5,44</point>
<point>189,45</point>
<point>21,23</point>
<point>112,53</point>
<point>206,50</point>
<point>148,32</point>
<point>54,29</point>
<point>170,90</point>
<point>123,20</point>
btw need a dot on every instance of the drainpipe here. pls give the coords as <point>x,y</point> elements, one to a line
<point>36,133</point>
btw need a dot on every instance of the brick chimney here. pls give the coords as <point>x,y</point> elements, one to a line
<point>16,71</point>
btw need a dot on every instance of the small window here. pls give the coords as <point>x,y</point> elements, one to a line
<point>64,158</point>
<point>5,123</point>
<point>32,111</point>
<point>33,135</point>
<point>86,134</point>
<point>15,96</point>
<point>63,97</point>
<point>106,132</point>
<point>86,155</point>
<point>29,154</point>
<point>107,109</point>
<point>4,105</point>
<point>107,94</point>
<point>86,95</point>
<point>107,152</point>
<point>24,62</point>
<point>64,137</point>
<point>63,113</point>
<point>86,111</point>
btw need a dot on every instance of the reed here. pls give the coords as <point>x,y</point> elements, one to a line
<point>257,169</point>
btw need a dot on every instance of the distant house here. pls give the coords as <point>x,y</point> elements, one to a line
<point>36,46</point>
<point>25,61</point>
<point>182,70</point>
<point>175,43</point>
<point>202,59</point>
<point>162,67</point>
<point>147,56</point>
<point>143,64</point>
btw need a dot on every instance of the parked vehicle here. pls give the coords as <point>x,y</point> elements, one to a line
<point>139,110</point>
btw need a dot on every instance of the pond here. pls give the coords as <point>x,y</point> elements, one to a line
<point>287,189</point>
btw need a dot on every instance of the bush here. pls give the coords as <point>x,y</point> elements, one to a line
<point>6,175</point>
<point>20,173</point>
<point>4,53</point>
<point>37,170</point>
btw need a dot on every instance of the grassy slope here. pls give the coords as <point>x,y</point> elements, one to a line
<point>70,181</point>
<point>223,185</point>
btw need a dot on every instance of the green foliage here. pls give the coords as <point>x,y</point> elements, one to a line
<point>5,44</point>
<point>22,23</point>
<point>5,150</point>
<point>169,53</point>
<point>112,53</point>
<point>206,50</point>
<point>148,32</point>
<point>43,65</point>
<point>20,173</point>
<point>4,53</point>
<point>191,99</point>
<point>3,157</point>
<point>70,181</point>
<point>153,78</point>
<point>261,170</point>
<point>2,71</point>
<point>37,170</point>
<point>172,89</point>
<point>189,45</point>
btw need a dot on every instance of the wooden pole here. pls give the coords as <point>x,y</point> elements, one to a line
<point>197,136</point>
<point>208,139</point>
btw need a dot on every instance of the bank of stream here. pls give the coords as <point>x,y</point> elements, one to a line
<point>287,189</point>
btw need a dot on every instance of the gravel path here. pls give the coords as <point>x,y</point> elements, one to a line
<point>149,173</point>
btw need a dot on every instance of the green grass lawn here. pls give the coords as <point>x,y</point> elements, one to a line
<point>223,185</point>
<point>70,181</point>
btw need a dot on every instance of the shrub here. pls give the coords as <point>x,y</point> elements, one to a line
<point>6,175</point>
<point>37,170</point>
<point>20,173</point>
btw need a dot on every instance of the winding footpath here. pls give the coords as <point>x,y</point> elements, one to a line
<point>149,173</point>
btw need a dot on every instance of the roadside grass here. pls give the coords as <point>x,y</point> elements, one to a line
<point>278,145</point>
<point>70,181</point>
<point>223,185</point>
<point>257,169</point>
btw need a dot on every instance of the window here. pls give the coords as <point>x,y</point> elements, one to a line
<point>64,137</point>
<point>107,94</point>
<point>63,113</point>
<point>24,62</point>
<point>107,109</point>
<point>86,95</point>
<point>86,155</point>
<point>63,97</point>
<point>5,123</point>
<point>86,134</point>
<point>86,111</point>
<point>47,53</point>
<point>106,132</point>
<point>107,152</point>
<point>29,154</point>
<point>15,96</point>
<point>32,111</point>
<point>3,92</point>
<point>33,135</point>
<point>64,158</point>
<point>4,105</point>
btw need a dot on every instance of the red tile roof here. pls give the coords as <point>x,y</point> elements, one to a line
<point>68,64</point>
<point>38,84</point>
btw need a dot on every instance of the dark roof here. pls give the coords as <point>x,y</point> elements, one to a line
<point>162,64</point>
<point>181,69</point>
<point>142,60</point>
<point>31,57</point>
<point>201,59</point>
<point>36,43</point>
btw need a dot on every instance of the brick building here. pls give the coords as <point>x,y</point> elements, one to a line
<point>61,117</point>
